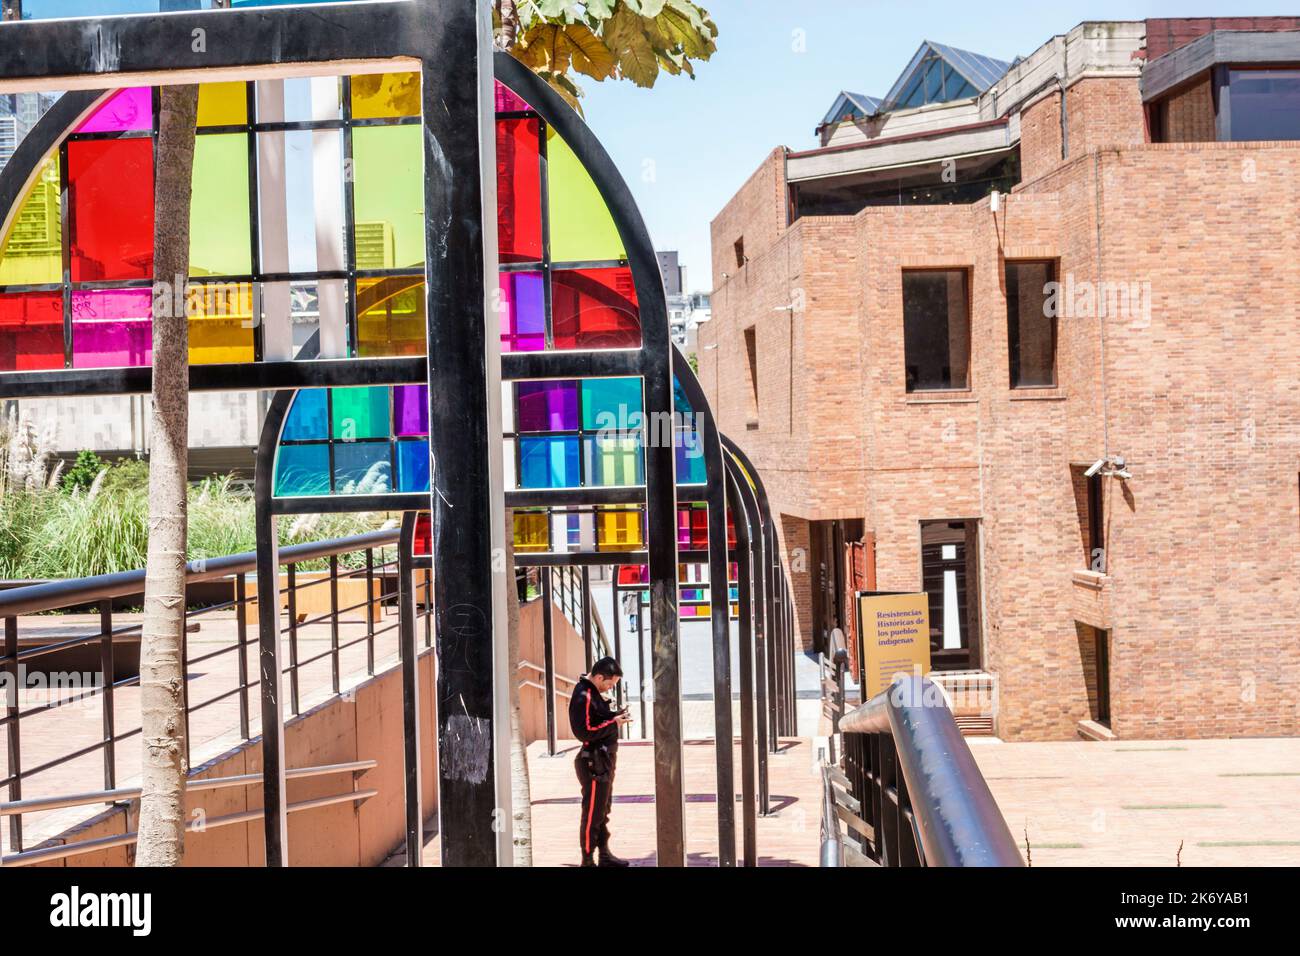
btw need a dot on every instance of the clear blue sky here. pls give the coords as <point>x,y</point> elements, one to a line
<point>685,147</point>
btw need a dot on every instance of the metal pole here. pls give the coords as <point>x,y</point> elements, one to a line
<point>618,645</point>
<point>14,739</point>
<point>640,664</point>
<point>586,614</point>
<point>467,494</point>
<point>410,694</point>
<point>370,611</point>
<point>241,635</point>
<point>292,592</point>
<point>275,821</point>
<point>334,622</point>
<point>548,650</point>
<point>744,596</point>
<point>106,668</point>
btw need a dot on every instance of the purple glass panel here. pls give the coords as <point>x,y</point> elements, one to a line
<point>547,406</point>
<point>111,329</point>
<point>411,410</point>
<point>507,101</point>
<point>523,312</point>
<point>130,109</point>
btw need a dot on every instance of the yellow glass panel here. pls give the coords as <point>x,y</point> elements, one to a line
<point>221,323</point>
<point>384,95</point>
<point>618,530</point>
<point>223,104</point>
<point>32,253</point>
<point>531,531</point>
<point>390,316</point>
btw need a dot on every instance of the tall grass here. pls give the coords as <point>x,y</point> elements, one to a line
<point>46,532</point>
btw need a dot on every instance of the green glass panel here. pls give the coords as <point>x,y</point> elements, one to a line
<point>611,403</point>
<point>388,196</point>
<point>32,253</point>
<point>219,229</point>
<point>582,229</point>
<point>360,412</point>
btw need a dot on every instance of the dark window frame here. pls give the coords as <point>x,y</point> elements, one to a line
<point>1014,365</point>
<point>910,385</point>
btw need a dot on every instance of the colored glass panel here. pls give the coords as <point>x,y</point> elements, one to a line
<point>412,466</point>
<point>619,530</point>
<point>582,229</point>
<point>362,468</point>
<point>523,312</point>
<point>302,181</point>
<point>547,406</point>
<point>391,316</point>
<point>221,323</point>
<point>33,250</point>
<point>111,199</point>
<point>388,196</point>
<point>506,100</point>
<point>219,224</point>
<point>693,527</point>
<point>411,410</point>
<point>359,412</point>
<point>633,574</point>
<point>690,459</point>
<point>302,470</point>
<point>548,462</point>
<point>595,308</point>
<point>532,531</point>
<point>382,95</point>
<point>124,111</point>
<point>308,417</point>
<point>614,461</point>
<point>31,331</point>
<point>223,104</point>
<point>611,403</point>
<point>519,191</point>
<point>423,544</point>
<point>111,329</point>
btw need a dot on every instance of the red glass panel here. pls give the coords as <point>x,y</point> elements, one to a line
<point>423,544</point>
<point>633,574</point>
<point>519,191</point>
<point>111,190</point>
<point>595,308</point>
<point>31,331</point>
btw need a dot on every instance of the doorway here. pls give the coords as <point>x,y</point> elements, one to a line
<point>950,577</point>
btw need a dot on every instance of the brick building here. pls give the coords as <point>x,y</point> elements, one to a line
<point>1034,337</point>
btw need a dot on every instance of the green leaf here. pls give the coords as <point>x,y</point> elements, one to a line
<point>586,51</point>
<point>600,9</point>
<point>625,35</point>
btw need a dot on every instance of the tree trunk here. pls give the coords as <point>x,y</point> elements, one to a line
<point>520,788</point>
<point>162,679</point>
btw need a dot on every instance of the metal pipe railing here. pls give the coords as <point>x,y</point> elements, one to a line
<point>944,799</point>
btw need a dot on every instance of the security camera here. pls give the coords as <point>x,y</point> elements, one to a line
<point>1094,468</point>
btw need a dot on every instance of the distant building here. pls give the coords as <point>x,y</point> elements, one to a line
<point>18,114</point>
<point>685,310</point>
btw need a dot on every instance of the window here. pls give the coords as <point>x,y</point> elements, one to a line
<point>751,352</point>
<point>936,329</point>
<point>739,247</point>
<point>1031,324</point>
<point>950,578</point>
<point>1263,104</point>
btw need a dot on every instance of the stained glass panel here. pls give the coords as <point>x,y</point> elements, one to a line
<point>219,212</point>
<point>388,196</point>
<point>221,323</point>
<point>391,316</point>
<point>595,308</point>
<point>111,329</point>
<point>548,462</point>
<point>124,111</point>
<point>531,531</point>
<point>302,470</point>
<point>308,417</point>
<point>31,331</point>
<point>362,468</point>
<point>614,461</point>
<point>547,406</point>
<point>111,199</point>
<point>223,104</point>
<point>359,412</point>
<point>411,410</point>
<point>33,251</point>
<point>610,403</point>
<point>413,466</point>
<point>582,229</point>
<point>382,95</point>
<point>523,312</point>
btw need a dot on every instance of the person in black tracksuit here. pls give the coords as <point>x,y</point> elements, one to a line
<point>596,724</point>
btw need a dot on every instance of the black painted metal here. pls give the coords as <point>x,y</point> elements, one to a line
<point>548,649</point>
<point>745,587</point>
<point>410,693</point>
<point>586,616</point>
<point>13,737</point>
<point>106,669</point>
<point>918,784</point>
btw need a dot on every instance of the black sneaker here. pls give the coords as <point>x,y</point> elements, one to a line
<point>587,860</point>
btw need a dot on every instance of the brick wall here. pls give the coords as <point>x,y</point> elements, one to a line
<point>1189,115</point>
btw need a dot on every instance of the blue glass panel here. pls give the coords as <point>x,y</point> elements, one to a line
<point>412,466</point>
<point>308,417</point>
<point>614,461</point>
<point>681,403</point>
<point>360,412</point>
<point>548,462</point>
<point>362,468</point>
<point>63,9</point>
<point>690,460</point>
<point>609,403</point>
<point>302,470</point>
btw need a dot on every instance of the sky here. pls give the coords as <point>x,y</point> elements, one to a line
<point>685,146</point>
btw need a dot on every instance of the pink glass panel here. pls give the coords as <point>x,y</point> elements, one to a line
<point>523,312</point>
<point>128,110</point>
<point>507,101</point>
<point>111,329</point>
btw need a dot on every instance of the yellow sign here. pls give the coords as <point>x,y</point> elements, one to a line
<point>895,634</point>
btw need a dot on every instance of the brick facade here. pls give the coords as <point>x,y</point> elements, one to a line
<point>1195,383</point>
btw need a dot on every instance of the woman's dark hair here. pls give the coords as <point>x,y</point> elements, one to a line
<point>606,667</point>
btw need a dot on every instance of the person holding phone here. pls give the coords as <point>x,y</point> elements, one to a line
<point>596,724</point>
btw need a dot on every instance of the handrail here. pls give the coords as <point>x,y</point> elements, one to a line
<point>958,821</point>
<point>832,842</point>
<point>54,595</point>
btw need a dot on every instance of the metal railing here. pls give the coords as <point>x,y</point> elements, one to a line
<point>369,563</point>
<point>909,791</point>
